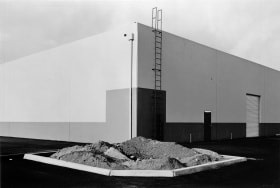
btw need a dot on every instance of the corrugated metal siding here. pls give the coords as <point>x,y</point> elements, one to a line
<point>252,118</point>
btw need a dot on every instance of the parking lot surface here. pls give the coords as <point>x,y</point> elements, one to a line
<point>262,170</point>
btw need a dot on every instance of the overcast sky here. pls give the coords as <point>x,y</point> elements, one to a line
<point>246,28</point>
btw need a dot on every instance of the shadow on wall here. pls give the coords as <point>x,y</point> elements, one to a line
<point>115,129</point>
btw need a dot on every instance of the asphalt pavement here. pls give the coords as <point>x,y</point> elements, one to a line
<point>262,170</point>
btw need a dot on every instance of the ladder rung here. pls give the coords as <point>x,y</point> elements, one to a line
<point>156,69</point>
<point>157,31</point>
<point>158,47</point>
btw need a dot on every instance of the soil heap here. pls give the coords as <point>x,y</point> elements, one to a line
<point>138,153</point>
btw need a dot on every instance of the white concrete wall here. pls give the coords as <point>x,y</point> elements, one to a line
<point>198,78</point>
<point>65,84</point>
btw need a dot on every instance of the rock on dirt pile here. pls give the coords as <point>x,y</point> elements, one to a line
<point>137,153</point>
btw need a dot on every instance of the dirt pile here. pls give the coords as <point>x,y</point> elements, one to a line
<point>137,153</point>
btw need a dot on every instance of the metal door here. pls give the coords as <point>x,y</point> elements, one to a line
<point>253,115</point>
<point>207,125</point>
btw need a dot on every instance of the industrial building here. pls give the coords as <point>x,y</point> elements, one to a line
<point>137,80</point>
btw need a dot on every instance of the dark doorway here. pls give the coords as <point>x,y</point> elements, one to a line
<point>207,125</point>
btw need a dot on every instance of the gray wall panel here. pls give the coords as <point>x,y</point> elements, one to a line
<point>5,129</point>
<point>115,129</point>
<point>198,78</point>
<point>188,75</point>
<point>40,130</point>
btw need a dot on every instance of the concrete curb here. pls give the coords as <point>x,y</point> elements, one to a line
<point>228,160</point>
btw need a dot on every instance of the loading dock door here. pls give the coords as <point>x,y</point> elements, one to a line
<point>253,116</point>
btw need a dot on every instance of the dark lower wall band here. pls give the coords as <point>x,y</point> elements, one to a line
<point>269,129</point>
<point>191,132</point>
<point>183,132</point>
<point>222,131</point>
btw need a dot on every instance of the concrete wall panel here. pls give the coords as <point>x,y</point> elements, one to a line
<point>272,96</point>
<point>198,78</point>
<point>68,84</point>
<point>188,75</point>
<point>2,93</point>
<point>235,78</point>
<point>115,129</point>
<point>40,130</point>
<point>5,128</point>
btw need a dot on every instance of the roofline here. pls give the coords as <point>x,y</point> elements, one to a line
<point>249,61</point>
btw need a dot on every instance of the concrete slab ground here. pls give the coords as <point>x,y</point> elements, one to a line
<point>262,171</point>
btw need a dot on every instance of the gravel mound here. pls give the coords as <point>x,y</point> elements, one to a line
<point>93,159</point>
<point>143,148</point>
<point>138,153</point>
<point>155,164</point>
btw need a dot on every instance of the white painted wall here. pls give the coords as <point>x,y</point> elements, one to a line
<point>67,83</point>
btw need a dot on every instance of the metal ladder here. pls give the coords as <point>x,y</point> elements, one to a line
<point>157,29</point>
